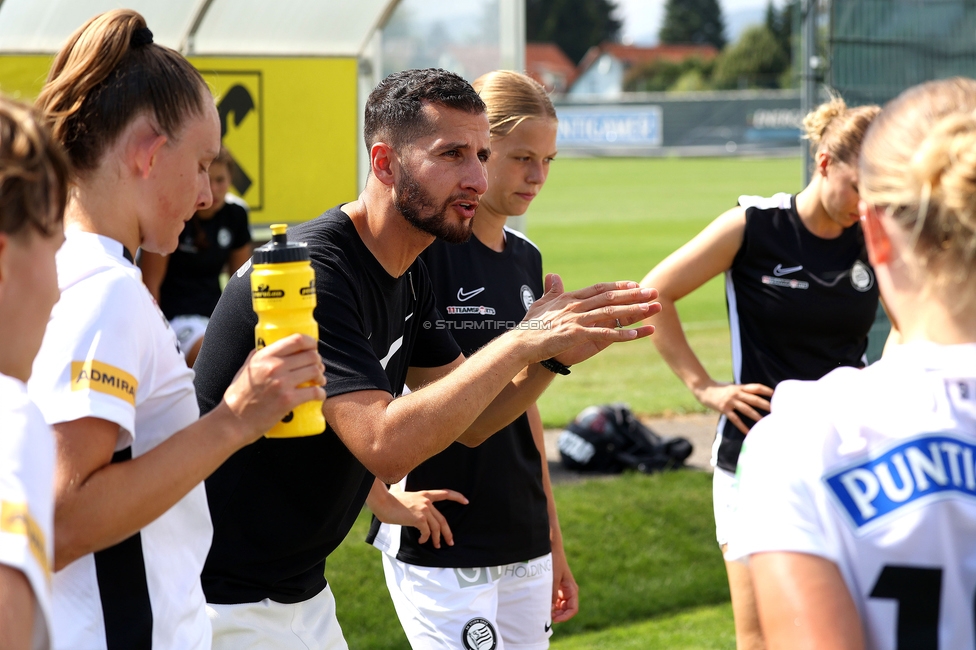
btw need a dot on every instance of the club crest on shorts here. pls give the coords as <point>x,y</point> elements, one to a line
<point>527,297</point>
<point>479,634</point>
<point>861,277</point>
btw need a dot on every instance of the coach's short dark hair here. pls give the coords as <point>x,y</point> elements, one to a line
<point>394,109</point>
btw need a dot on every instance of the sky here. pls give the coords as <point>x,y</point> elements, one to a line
<point>642,18</point>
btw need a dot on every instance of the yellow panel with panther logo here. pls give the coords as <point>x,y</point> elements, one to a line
<point>240,105</point>
<point>290,124</point>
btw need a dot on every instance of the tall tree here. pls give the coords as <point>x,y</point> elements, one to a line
<point>574,25</point>
<point>780,24</point>
<point>693,21</point>
<point>755,61</point>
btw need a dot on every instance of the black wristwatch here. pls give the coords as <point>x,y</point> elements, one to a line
<point>554,366</point>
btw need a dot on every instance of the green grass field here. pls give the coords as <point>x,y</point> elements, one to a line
<point>642,548</point>
<point>600,219</point>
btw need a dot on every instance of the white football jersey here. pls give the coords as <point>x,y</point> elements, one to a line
<point>27,498</point>
<point>109,353</point>
<point>874,470</point>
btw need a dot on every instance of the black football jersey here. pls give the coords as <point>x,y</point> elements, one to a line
<point>799,305</point>
<point>480,294</point>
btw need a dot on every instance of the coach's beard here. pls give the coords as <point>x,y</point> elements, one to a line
<point>413,201</point>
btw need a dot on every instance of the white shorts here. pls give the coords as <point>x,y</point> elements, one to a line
<point>267,625</point>
<point>724,503</point>
<point>189,329</point>
<point>492,608</point>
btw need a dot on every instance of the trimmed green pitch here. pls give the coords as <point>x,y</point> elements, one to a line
<point>642,549</point>
<point>614,219</point>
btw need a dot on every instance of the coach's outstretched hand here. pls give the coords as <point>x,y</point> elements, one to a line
<point>575,325</point>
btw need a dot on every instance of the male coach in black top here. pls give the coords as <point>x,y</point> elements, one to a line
<point>280,506</point>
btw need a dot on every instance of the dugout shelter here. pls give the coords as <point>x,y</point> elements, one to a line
<point>291,77</point>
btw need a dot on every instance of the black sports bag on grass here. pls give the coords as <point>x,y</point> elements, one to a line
<point>610,439</point>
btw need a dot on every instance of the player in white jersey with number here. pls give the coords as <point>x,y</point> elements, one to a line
<point>33,191</point>
<point>858,494</point>
<point>132,524</point>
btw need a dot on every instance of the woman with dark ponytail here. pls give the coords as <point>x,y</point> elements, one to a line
<point>132,527</point>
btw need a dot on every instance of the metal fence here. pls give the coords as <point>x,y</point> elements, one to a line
<point>880,47</point>
<point>689,124</point>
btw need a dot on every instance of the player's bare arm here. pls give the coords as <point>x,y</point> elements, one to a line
<point>565,591</point>
<point>17,605</point>
<point>804,603</point>
<point>710,253</point>
<point>99,503</point>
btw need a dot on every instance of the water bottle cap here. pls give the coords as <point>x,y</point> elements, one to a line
<point>279,250</point>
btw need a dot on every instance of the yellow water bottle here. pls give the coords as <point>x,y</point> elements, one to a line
<point>283,296</point>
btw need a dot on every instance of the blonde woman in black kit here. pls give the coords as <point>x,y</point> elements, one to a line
<point>801,299</point>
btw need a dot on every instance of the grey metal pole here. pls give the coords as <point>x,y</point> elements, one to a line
<point>511,20</point>
<point>808,75</point>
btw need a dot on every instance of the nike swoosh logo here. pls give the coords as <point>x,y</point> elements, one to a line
<point>779,270</point>
<point>548,626</point>
<point>462,296</point>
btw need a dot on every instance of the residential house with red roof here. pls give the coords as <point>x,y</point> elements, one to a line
<point>604,67</point>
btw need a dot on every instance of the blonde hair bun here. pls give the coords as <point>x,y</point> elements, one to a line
<point>815,123</point>
<point>838,130</point>
<point>944,166</point>
<point>919,165</point>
